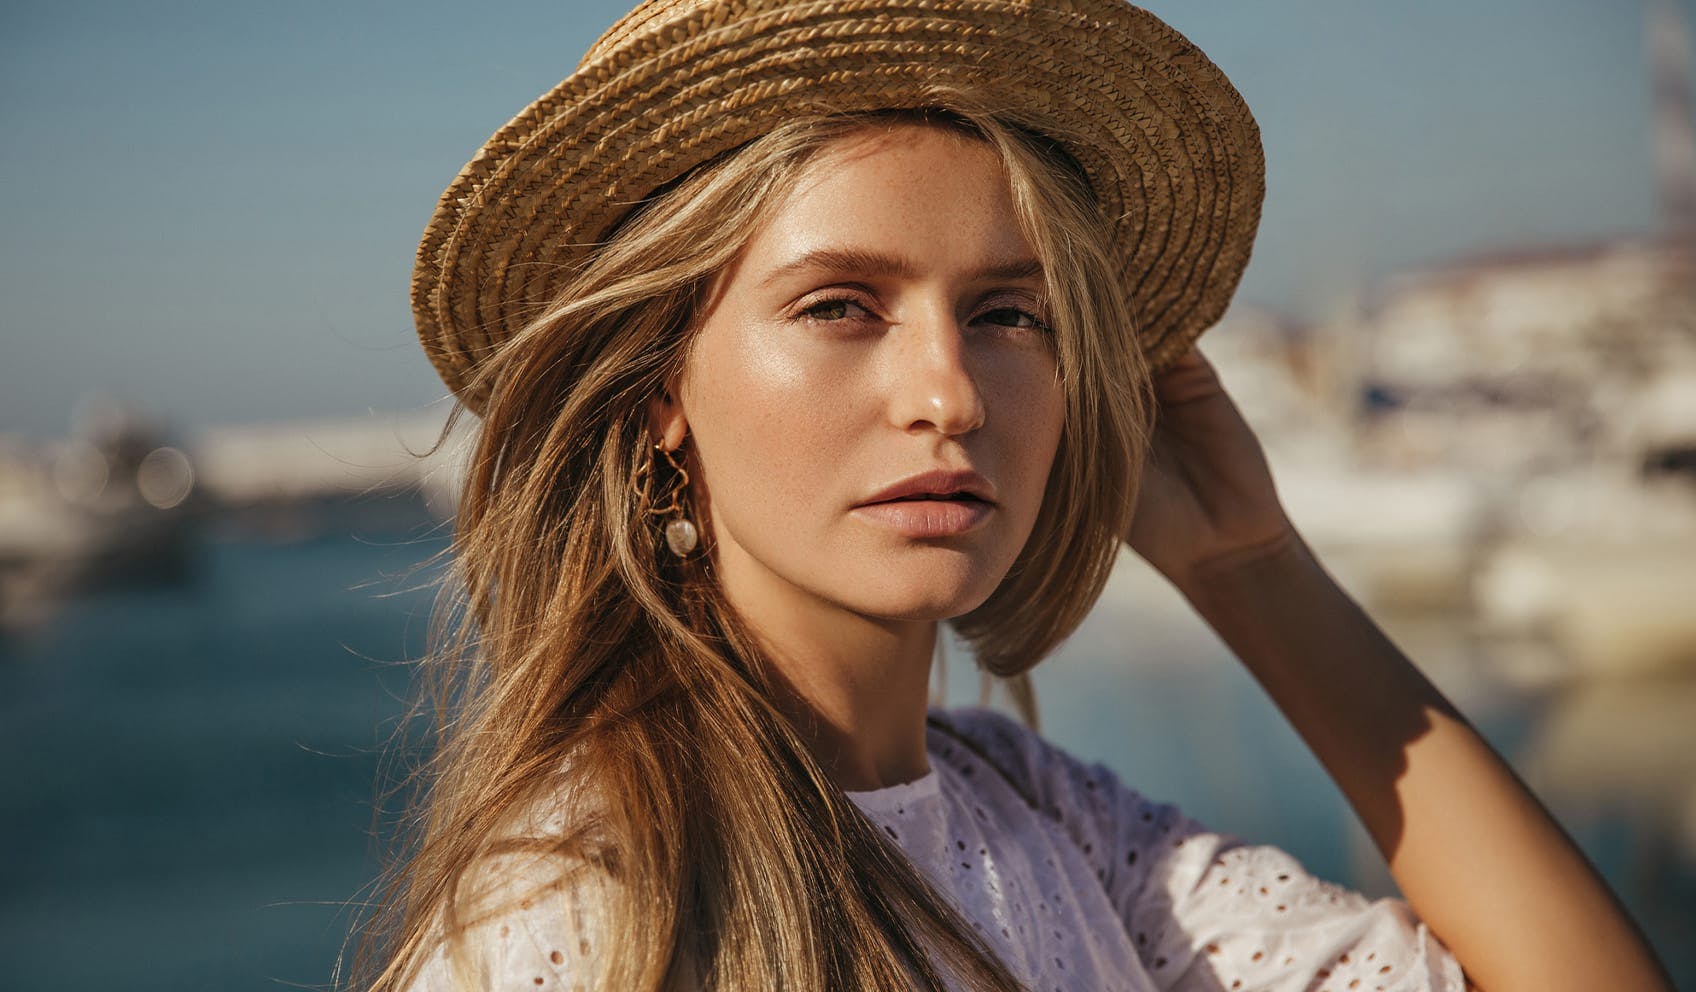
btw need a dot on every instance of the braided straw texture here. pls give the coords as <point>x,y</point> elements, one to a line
<point>1169,147</point>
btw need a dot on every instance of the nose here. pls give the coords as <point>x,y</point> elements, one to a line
<point>934,387</point>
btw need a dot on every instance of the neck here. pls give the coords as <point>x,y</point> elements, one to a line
<point>855,687</point>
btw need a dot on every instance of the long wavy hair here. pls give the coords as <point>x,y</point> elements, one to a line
<point>573,656</point>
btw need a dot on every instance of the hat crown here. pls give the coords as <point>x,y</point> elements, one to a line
<point>1167,144</point>
<point>652,18</point>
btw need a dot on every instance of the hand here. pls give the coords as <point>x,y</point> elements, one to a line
<point>1207,498</point>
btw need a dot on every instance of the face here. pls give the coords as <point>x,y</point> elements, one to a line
<point>887,323</point>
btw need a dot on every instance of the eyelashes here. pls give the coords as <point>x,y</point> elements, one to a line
<point>816,311</point>
<point>840,309</point>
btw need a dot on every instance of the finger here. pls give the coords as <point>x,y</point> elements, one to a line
<point>1192,358</point>
<point>1190,377</point>
<point>1192,354</point>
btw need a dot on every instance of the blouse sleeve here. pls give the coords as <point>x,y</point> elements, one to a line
<point>1206,912</point>
<point>543,940</point>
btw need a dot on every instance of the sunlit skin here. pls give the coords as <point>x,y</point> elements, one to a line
<point>793,419</point>
<point>886,322</point>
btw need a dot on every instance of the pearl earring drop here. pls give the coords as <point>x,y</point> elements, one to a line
<point>681,536</point>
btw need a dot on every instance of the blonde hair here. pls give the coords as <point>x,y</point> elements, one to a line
<point>574,655</point>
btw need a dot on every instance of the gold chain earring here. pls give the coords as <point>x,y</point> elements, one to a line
<point>680,533</point>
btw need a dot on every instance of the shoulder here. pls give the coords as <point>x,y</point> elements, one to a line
<point>1203,909</point>
<point>1113,824</point>
<point>1040,769</point>
<point>994,736</point>
<point>524,920</point>
<point>529,910</point>
<point>1053,778</point>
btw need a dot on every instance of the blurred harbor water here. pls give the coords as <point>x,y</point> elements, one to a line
<point>190,767</point>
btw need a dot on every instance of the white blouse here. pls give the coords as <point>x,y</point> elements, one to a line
<point>1076,881</point>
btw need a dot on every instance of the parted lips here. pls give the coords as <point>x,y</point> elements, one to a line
<point>1170,149</point>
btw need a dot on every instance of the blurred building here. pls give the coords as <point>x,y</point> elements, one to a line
<point>1560,387</point>
<point>1509,437</point>
<point>1534,362</point>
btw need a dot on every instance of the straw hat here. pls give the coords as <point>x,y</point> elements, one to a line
<point>1169,147</point>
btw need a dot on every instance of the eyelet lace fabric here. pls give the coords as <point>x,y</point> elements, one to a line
<point>1077,881</point>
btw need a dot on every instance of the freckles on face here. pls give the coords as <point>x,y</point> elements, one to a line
<point>888,321</point>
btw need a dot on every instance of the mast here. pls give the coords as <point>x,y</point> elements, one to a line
<point>1675,134</point>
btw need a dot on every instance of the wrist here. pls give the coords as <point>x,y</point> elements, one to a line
<point>1277,560</point>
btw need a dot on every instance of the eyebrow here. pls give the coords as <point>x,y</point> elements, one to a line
<point>873,263</point>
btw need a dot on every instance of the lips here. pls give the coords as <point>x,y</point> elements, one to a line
<point>937,485</point>
<point>935,504</point>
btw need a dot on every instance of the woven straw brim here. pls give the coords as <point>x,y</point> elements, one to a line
<point>1168,145</point>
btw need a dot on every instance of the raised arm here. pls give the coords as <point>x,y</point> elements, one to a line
<point>1477,856</point>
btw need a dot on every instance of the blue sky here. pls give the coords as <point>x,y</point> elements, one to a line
<point>213,207</point>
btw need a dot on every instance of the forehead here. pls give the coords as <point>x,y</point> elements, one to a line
<point>918,189</point>
<point>894,144</point>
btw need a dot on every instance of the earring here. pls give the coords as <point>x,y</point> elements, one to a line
<point>680,533</point>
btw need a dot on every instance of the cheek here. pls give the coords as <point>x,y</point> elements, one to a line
<point>1043,403</point>
<point>768,420</point>
<point>1029,405</point>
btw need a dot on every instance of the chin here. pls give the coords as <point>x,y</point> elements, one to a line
<point>921,594</point>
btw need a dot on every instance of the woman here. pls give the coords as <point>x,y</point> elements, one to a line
<point>795,330</point>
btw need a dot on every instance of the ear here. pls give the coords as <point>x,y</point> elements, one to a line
<point>666,419</point>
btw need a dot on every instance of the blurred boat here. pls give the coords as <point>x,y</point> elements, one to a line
<point>1511,437</point>
<point>114,503</point>
<point>1509,440</point>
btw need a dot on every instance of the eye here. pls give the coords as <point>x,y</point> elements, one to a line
<point>1014,317</point>
<point>832,310</point>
